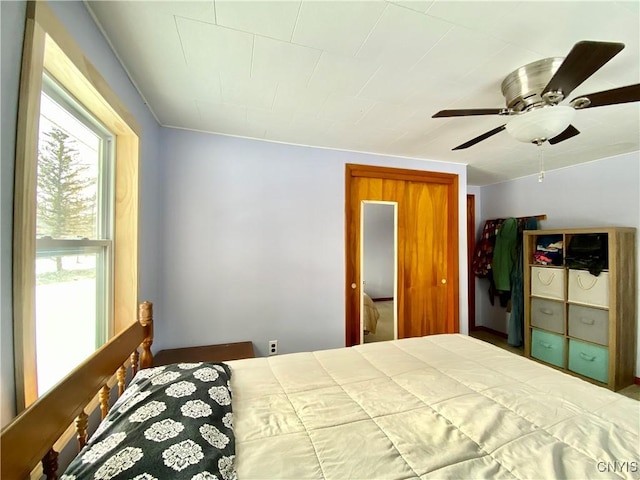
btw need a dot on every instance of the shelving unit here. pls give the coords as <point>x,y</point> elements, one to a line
<point>580,323</point>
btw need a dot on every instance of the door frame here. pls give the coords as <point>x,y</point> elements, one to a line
<point>352,261</point>
<point>471,248</point>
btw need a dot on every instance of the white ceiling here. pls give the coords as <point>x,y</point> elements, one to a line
<point>367,75</point>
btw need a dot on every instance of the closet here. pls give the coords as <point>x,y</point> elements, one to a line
<point>581,302</point>
<point>427,256</point>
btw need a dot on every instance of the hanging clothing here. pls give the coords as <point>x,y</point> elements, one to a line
<point>515,327</point>
<point>504,254</point>
<point>483,254</point>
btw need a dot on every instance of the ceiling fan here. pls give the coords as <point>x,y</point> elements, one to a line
<point>533,94</point>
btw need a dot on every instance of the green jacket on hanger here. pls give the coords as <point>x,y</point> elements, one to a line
<point>504,254</point>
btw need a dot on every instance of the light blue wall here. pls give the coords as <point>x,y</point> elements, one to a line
<point>601,193</point>
<point>254,241</point>
<point>81,26</point>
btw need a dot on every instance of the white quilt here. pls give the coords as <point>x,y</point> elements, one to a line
<point>443,406</point>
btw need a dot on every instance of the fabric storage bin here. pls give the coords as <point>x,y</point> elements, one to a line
<point>547,314</point>
<point>547,282</point>
<point>591,324</point>
<point>589,360</point>
<point>589,289</point>
<point>547,347</point>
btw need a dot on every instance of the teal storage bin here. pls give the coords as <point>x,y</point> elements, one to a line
<point>547,347</point>
<point>589,360</point>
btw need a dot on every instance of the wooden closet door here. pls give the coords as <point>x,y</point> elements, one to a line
<point>427,247</point>
<point>427,258</point>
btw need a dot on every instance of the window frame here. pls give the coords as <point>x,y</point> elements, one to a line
<point>49,47</point>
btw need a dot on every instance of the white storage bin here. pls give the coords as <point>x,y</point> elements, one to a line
<point>547,282</point>
<point>588,289</point>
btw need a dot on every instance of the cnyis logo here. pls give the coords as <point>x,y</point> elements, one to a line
<point>619,467</point>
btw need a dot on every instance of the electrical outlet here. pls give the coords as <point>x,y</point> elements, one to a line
<point>273,347</point>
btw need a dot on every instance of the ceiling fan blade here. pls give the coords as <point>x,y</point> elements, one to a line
<point>584,59</point>
<point>630,93</point>
<point>568,132</point>
<point>482,137</point>
<point>469,112</point>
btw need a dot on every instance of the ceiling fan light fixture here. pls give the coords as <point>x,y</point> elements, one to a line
<point>541,124</point>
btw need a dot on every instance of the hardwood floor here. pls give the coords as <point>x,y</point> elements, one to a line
<point>496,340</point>
<point>632,391</point>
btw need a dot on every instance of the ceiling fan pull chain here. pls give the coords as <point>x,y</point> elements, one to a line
<point>541,158</point>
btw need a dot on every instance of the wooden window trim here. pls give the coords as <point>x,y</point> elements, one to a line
<point>47,45</point>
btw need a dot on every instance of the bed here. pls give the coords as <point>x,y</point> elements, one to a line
<point>371,315</point>
<point>443,406</point>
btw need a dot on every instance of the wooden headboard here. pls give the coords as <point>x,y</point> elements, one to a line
<point>30,437</point>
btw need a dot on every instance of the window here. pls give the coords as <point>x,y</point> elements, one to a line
<point>74,219</point>
<point>75,209</point>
